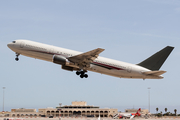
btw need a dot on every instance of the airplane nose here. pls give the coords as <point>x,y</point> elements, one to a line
<point>10,45</point>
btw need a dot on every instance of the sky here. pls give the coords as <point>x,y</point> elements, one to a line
<point>128,30</point>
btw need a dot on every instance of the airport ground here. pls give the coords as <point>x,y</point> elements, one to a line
<point>85,118</point>
<point>78,110</point>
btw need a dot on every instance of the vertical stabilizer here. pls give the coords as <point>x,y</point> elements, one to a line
<point>156,61</point>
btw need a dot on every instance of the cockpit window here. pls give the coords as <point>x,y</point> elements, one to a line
<point>14,41</point>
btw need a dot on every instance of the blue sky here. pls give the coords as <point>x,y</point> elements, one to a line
<point>129,31</point>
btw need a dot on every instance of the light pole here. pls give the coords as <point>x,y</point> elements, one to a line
<point>149,97</point>
<point>60,109</point>
<point>3,98</point>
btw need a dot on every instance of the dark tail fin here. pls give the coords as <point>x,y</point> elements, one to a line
<point>156,61</point>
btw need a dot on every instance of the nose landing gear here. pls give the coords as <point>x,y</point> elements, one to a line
<point>82,74</point>
<point>17,55</point>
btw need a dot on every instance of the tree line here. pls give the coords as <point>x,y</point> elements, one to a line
<point>166,113</point>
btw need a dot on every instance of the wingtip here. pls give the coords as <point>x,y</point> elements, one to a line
<point>101,49</point>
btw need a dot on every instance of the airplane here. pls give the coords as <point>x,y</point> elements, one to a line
<point>130,115</point>
<point>91,61</point>
<point>99,118</point>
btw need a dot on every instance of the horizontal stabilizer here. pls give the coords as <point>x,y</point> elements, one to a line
<point>154,72</point>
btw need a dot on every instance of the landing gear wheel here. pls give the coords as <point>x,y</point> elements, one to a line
<point>17,59</point>
<point>82,73</point>
<point>81,76</point>
<point>17,55</point>
<point>85,75</point>
<point>78,73</point>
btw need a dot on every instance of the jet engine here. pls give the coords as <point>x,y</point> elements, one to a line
<point>59,60</point>
<point>66,65</point>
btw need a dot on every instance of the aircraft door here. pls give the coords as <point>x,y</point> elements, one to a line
<point>129,69</point>
<point>22,44</point>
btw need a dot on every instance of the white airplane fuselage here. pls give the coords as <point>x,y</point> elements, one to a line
<point>47,52</point>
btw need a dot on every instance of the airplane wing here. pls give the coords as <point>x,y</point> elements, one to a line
<point>154,72</point>
<point>83,60</point>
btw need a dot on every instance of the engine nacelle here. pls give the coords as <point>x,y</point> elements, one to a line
<point>59,60</point>
<point>66,65</point>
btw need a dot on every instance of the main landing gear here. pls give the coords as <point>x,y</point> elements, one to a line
<point>82,74</point>
<point>17,55</point>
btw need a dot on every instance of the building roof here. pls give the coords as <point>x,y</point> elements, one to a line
<point>79,107</point>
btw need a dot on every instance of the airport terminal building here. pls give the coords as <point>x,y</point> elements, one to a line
<point>76,109</point>
<point>79,109</point>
